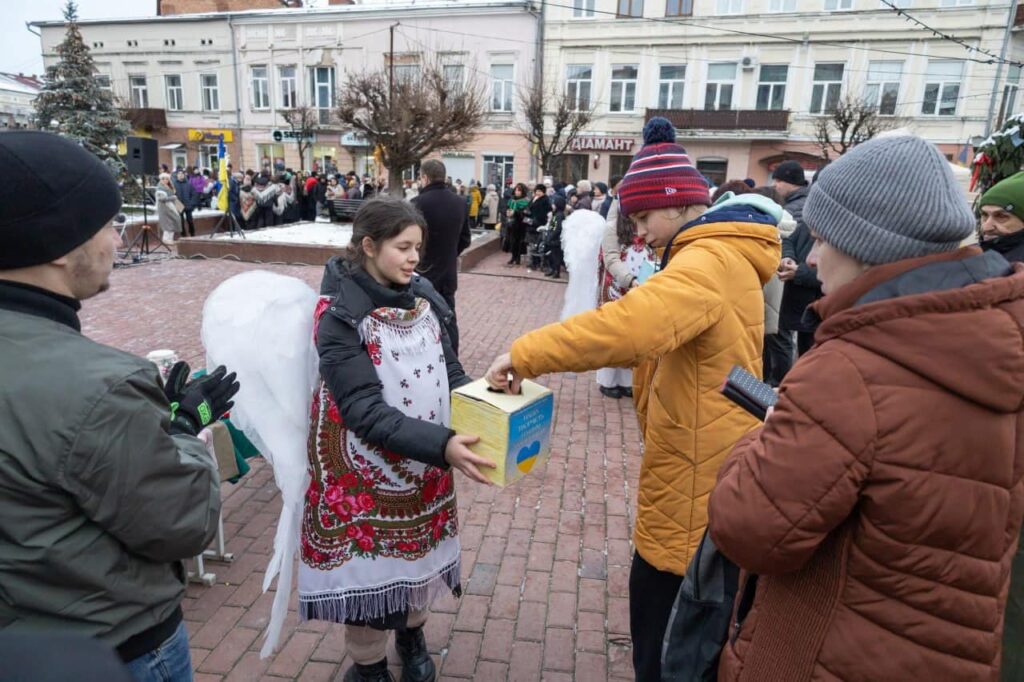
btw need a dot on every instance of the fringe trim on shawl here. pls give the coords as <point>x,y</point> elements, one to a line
<point>404,337</point>
<point>365,604</point>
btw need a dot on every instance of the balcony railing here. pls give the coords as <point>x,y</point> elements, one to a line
<point>146,119</point>
<point>731,119</point>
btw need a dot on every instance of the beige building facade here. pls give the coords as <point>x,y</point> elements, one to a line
<point>745,80</point>
<point>190,79</point>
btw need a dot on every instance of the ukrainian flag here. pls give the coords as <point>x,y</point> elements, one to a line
<point>222,176</point>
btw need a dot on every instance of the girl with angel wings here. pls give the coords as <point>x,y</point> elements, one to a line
<point>370,501</point>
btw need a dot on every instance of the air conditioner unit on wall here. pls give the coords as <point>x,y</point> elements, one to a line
<point>748,63</point>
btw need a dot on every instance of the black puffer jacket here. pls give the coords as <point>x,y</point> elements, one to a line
<point>350,376</point>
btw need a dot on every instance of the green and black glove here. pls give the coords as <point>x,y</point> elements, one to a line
<point>197,404</point>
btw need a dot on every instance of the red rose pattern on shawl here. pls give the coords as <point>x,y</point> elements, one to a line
<point>357,507</point>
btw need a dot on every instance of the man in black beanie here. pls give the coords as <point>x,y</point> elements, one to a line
<point>104,485</point>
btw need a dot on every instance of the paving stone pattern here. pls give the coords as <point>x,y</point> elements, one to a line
<point>545,561</point>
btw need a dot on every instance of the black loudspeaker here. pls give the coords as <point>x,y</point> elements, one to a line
<point>143,156</point>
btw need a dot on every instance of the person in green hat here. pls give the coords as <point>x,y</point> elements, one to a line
<point>1002,218</point>
<point>1002,230</point>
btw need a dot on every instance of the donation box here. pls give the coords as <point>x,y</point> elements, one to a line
<point>514,430</point>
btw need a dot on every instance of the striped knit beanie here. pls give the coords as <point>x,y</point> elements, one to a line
<point>661,174</point>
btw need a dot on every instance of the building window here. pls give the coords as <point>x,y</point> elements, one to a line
<point>956,3</point>
<point>208,156</point>
<point>728,6</point>
<point>678,8</point>
<point>618,164</point>
<point>271,156</point>
<point>1009,105</point>
<point>454,77</point>
<point>322,86</point>
<point>175,93</point>
<point>623,88</point>
<point>942,87</point>
<point>406,72</point>
<point>571,167</point>
<point>578,80</point>
<point>715,170</point>
<point>902,4</point>
<point>498,169</point>
<point>718,92</point>
<point>288,87</point>
<point>671,79</point>
<point>781,5</point>
<point>583,9</point>
<point>883,86</point>
<point>210,88</point>
<point>771,86</point>
<point>103,82</point>
<point>828,86</point>
<point>834,5</point>
<point>179,159</point>
<point>502,80</point>
<point>139,92</point>
<point>631,8</point>
<point>260,87</point>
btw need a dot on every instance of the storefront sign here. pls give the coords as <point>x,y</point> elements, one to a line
<point>601,144</point>
<point>292,136</point>
<point>354,140</point>
<point>210,136</point>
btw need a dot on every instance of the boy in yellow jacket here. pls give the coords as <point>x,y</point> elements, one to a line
<point>683,330</point>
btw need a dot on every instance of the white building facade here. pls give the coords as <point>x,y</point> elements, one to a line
<point>17,100</point>
<point>191,80</point>
<point>745,80</point>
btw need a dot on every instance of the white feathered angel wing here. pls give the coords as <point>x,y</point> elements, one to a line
<point>582,233</point>
<point>260,325</point>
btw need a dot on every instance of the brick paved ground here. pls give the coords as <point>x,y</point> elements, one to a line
<point>545,562</point>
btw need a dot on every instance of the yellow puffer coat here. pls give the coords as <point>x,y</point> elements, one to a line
<point>684,330</point>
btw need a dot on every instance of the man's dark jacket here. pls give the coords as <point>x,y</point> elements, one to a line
<point>804,289</point>
<point>99,503</point>
<point>448,235</point>
<point>186,193</point>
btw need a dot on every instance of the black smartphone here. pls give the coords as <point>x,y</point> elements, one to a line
<point>749,392</point>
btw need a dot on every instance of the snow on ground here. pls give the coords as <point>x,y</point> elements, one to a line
<point>321,234</point>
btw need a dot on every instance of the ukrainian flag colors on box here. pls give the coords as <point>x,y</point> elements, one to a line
<point>514,430</point>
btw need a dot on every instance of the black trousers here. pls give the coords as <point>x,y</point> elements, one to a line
<point>453,328</point>
<point>517,237</point>
<point>186,215</point>
<point>652,594</point>
<point>777,357</point>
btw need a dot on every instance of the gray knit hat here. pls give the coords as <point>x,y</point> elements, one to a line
<point>888,199</point>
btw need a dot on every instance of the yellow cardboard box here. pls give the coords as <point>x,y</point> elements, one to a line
<point>514,430</point>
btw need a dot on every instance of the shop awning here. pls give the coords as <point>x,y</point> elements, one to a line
<point>176,145</point>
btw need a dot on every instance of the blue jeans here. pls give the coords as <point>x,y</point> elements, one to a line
<point>169,662</point>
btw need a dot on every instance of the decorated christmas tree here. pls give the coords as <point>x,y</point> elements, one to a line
<point>72,103</point>
<point>999,156</point>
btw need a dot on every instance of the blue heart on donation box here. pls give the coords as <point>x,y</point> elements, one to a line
<point>527,456</point>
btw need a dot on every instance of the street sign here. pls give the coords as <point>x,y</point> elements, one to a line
<point>354,140</point>
<point>292,136</point>
<point>210,135</point>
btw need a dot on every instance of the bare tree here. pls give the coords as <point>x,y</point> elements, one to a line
<point>852,121</point>
<point>408,119</point>
<point>303,121</point>
<point>566,122</point>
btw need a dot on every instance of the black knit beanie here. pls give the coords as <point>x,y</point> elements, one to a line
<point>55,196</point>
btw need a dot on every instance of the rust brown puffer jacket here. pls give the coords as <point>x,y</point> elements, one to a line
<point>881,504</point>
